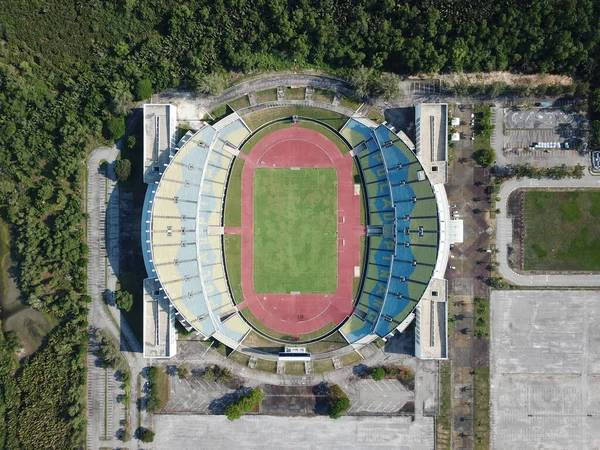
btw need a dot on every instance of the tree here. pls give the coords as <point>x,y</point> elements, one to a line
<point>146,435</point>
<point>122,169</point>
<point>143,89</point>
<point>378,373</point>
<point>131,141</point>
<point>362,80</point>
<point>388,86</point>
<point>115,127</point>
<point>338,401</point>
<point>247,402</point>
<point>124,300</point>
<point>485,157</point>
<point>212,84</point>
<point>183,371</point>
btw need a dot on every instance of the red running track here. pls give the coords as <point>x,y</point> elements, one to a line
<point>301,313</point>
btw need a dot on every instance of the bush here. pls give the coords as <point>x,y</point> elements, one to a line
<point>115,127</point>
<point>485,157</point>
<point>143,89</point>
<point>218,374</point>
<point>131,141</point>
<point>124,300</point>
<point>338,401</point>
<point>378,373</point>
<point>244,404</point>
<point>122,169</point>
<point>145,434</point>
<point>183,371</point>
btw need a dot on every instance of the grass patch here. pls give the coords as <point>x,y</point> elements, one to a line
<point>323,95</point>
<point>376,116</point>
<point>295,368</point>
<point>317,333</point>
<point>251,318</point>
<point>266,366</point>
<point>295,93</point>
<point>258,118</point>
<point>482,141</point>
<point>350,102</point>
<point>443,420</point>
<point>158,389</point>
<point>233,262</point>
<point>481,413</point>
<point>233,200</point>
<point>322,366</point>
<point>482,317</point>
<point>218,113</point>
<point>329,344</point>
<point>256,341</point>
<point>350,358</point>
<point>268,95</point>
<point>240,358</point>
<point>295,244</point>
<point>562,230</point>
<point>239,103</point>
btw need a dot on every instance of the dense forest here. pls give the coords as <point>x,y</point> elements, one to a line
<point>69,69</point>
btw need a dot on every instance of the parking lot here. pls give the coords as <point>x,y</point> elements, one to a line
<point>545,370</point>
<point>193,432</point>
<point>198,395</point>
<point>383,397</point>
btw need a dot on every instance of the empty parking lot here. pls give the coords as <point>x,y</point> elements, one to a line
<point>545,370</point>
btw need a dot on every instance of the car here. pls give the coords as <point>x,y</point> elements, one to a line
<point>451,246</point>
<point>453,268</point>
<point>453,205</point>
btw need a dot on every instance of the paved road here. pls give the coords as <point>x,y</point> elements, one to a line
<point>103,229</point>
<point>504,234</point>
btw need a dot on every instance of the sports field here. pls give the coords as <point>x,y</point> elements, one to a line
<point>562,230</point>
<point>295,224</point>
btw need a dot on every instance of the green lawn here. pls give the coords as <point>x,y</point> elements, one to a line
<point>376,116</point>
<point>295,93</point>
<point>350,102</point>
<point>233,261</point>
<point>268,95</point>
<point>323,95</point>
<point>329,344</point>
<point>295,224</point>
<point>233,200</point>
<point>562,230</point>
<point>240,102</point>
<point>258,118</point>
<point>294,368</point>
<point>322,366</point>
<point>350,358</point>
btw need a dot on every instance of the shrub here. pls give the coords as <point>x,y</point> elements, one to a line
<point>115,127</point>
<point>338,401</point>
<point>378,373</point>
<point>131,141</point>
<point>405,375</point>
<point>146,435</point>
<point>183,371</point>
<point>244,404</point>
<point>124,300</point>
<point>143,89</point>
<point>122,169</point>
<point>485,157</point>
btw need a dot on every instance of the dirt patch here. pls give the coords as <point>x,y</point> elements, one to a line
<point>487,78</point>
<point>290,400</point>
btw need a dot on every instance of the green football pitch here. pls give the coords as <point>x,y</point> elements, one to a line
<point>295,231</point>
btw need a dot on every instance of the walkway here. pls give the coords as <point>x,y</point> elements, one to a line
<point>504,234</point>
<point>302,313</point>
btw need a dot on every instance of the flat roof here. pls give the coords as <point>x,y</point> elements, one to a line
<point>432,318</point>
<point>432,139</point>
<point>159,137</point>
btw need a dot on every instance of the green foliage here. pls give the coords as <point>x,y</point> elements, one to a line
<point>485,157</point>
<point>218,374</point>
<point>122,170</point>
<point>115,127</point>
<point>124,299</point>
<point>131,142</point>
<point>183,371</point>
<point>158,389</point>
<point>338,401</point>
<point>213,83</point>
<point>483,121</point>
<point>146,435</point>
<point>388,86</point>
<point>143,89</point>
<point>528,171</point>
<point>378,373</point>
<point>244,404</point>
<point>109,352</point>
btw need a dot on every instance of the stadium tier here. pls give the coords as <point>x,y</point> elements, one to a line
<point>402,231</point>
<point>182,232</point>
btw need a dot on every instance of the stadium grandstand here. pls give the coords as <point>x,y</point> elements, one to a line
<point>408,228</point>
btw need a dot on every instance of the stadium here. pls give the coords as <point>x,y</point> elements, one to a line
<point>296,230</point>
